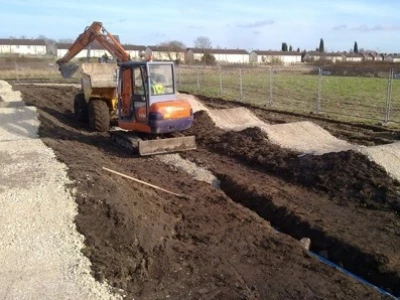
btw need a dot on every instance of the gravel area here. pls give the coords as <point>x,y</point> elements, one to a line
<point>40,248</point>
<point>388,156</point>
<point>191,168</point>
<point>306,137</point>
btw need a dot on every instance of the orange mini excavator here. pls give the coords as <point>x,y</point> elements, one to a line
<point>143,93</point>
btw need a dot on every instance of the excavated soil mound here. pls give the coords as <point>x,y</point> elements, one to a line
<point>344,176</point>
<point>355,133</point>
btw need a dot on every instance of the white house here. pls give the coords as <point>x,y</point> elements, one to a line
<point>136,52</point>
<point>354,57</point>
<point>165,53</point>
<point>62,49</point>
<point>376,56</point>
<point>231,56</point>
<point>96,50</point>
<point>326,56</point>
<point>275,57</point>
<point>396,58</point>
<point>227,56</point>
<point>23,46</point>
<point>93,50</point>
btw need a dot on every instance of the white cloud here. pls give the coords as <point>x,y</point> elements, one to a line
<point>256,24</point>
<point>368,28</point>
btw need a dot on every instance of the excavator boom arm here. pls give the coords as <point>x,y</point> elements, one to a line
<point>97,32</point>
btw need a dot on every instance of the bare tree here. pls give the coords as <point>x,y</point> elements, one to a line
<point>173,49</point>
<point>202,42</point>
<point>65,40</point>
<point>50,44</point>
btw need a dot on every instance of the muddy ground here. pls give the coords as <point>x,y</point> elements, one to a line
<point>219,244</point>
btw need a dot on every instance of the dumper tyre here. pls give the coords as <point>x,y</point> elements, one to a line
<point>81,108</point>
<point>99,115</point>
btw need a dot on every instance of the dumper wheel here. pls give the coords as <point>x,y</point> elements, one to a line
<point>99,115</point>
<point>80,108</point>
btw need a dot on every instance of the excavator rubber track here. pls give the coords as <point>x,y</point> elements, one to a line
<point>146,147</point>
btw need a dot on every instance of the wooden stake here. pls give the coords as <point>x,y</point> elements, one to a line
<point>145,183</point>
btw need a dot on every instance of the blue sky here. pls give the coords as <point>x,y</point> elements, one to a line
<point>249,24</point>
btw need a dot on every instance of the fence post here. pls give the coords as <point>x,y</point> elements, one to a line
<point>17,71</point>
<point>389,91</point>
<point>271,82</point>
<point>220,81</point>
<point>241,84</point>
<point>319,90</point>
<point>198,79</point>
<point>179,77</point>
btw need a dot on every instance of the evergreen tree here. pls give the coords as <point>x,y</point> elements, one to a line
<point>284,47</point>
<point>355,49</point>
<point>321,46</point>
<point>290,48</point>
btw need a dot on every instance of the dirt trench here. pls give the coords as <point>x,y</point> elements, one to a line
<point>345,203</point>
<point>208,247</point>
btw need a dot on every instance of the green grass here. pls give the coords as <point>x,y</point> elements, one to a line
<point>36,75</point>
<point>34,71</point>
<point>345,98</point>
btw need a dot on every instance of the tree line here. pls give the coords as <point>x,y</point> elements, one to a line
<point>201,42</point>
<point>320,48</point>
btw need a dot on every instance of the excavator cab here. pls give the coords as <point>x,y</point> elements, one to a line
<point>148,101</point>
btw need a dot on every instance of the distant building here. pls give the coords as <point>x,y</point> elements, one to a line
<point>23,46</point>
<point>354,57</point>
<point>136,52</point>
<point>224,56</point>
<point>324,56</point>
<point>165,53</point>
<point>275,57</point>
<point>93,50</point>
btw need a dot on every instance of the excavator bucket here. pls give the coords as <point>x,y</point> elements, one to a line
<point>160,146</point>
<point>68,70</point>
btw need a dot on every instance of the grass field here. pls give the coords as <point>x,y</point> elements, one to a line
<point>297,90</point>
<point>33,71</point>
<point>288,89</point>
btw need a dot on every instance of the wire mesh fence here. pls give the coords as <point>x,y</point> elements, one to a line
<point>356,94</point>
<point>393,104</point>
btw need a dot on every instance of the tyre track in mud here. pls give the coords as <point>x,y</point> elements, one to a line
<point>154,246</point>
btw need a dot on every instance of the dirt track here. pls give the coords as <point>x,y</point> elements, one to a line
<point>209,247</point>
